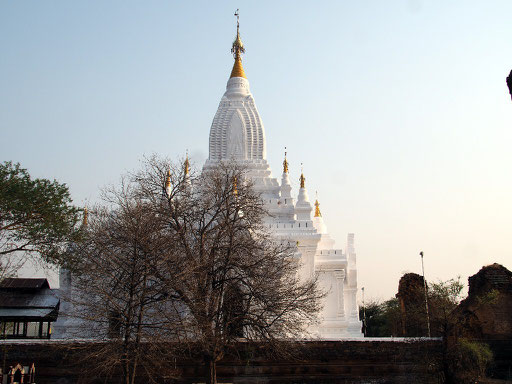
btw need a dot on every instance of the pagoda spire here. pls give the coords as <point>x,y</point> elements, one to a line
<point>285,162</point>
<point>235,186</point>
<point>317,207</point>
<point>303,207</point>
<point>286,188</point>
<point>168,187</point>
<point>186,165</point>
<point>85,217</point>
<point>186,173</point>
<point>237,49</point>
<point>302,178</point>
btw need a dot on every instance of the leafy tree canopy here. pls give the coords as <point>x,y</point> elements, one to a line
<point>380,319</point>
<point>37,217</point>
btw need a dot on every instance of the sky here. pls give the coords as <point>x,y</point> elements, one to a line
<point>398,110</point>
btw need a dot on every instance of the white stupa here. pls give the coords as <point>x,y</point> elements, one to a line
<point>237,133</point>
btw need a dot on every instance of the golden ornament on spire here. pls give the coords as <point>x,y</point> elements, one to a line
<point>235,186</point>
<point>237,49</point>
<point>285,163</point>
<point>317,209</point>
<point>302,179</point>
<point>168,179</point>
<point>86,214</point>
<point>187,166</point>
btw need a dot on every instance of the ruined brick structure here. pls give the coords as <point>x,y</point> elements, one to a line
<point>486,315</point>
<point>411,297</point>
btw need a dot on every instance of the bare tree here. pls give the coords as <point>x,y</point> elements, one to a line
<point>183,263</point>
<point>115,290</point>
<point>229,277</point>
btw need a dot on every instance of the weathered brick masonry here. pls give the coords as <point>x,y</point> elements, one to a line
<point>375,361</point>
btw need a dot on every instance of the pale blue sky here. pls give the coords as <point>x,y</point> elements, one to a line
<point>398,110</point>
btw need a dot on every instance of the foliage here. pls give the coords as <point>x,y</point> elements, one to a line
<point>443,297</point>
<point>448,291</point>
<point>463,360</point>
<point>467,361</point>
<point>490,298</point>
<point>36,215</point>
<point>382,319</point>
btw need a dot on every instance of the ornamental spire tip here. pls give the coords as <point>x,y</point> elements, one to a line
<point>85,217</point>
<point>235,186</point>
<point>285,162</point>
<point>302,178</point>
<point>187,165</point>
<point>168,186</point>
<point>237,49</point>
<point>317,207</point>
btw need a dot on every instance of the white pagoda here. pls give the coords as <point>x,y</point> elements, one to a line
<point>237,133</point>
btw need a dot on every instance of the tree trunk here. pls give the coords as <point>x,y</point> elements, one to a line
<point>212,372</point>
<point>447,370</point>
<point>139,330</point>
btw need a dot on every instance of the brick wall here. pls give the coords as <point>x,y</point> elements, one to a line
<point>376,361</point>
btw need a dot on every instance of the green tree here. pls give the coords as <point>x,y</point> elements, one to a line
<point>443,297</point>
<point>463,360</point>
<point>37,218</point>
<point>466,361</point>
<point>382,319</point>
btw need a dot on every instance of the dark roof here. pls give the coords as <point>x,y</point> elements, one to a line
<point>28,314</point>
<point>27,298</point>
<point>23,283</point>
<point>45,298</point>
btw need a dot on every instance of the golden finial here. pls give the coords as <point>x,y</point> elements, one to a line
<point>86,214</point>
<point>317,207</point>
<point>168,179</point>
<point>187,165</point>
<point>237,49</point>
<point>302,178</point>
<point>285,162</point>
<point>235,186</point>
<point>168,188</point>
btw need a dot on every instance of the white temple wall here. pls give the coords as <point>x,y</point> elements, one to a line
<point>327,283</point>
<point>307,248</point>
<point>340,293</point>
<point>347,294</point>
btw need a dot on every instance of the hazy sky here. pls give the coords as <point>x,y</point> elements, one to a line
<point>398,110</point>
